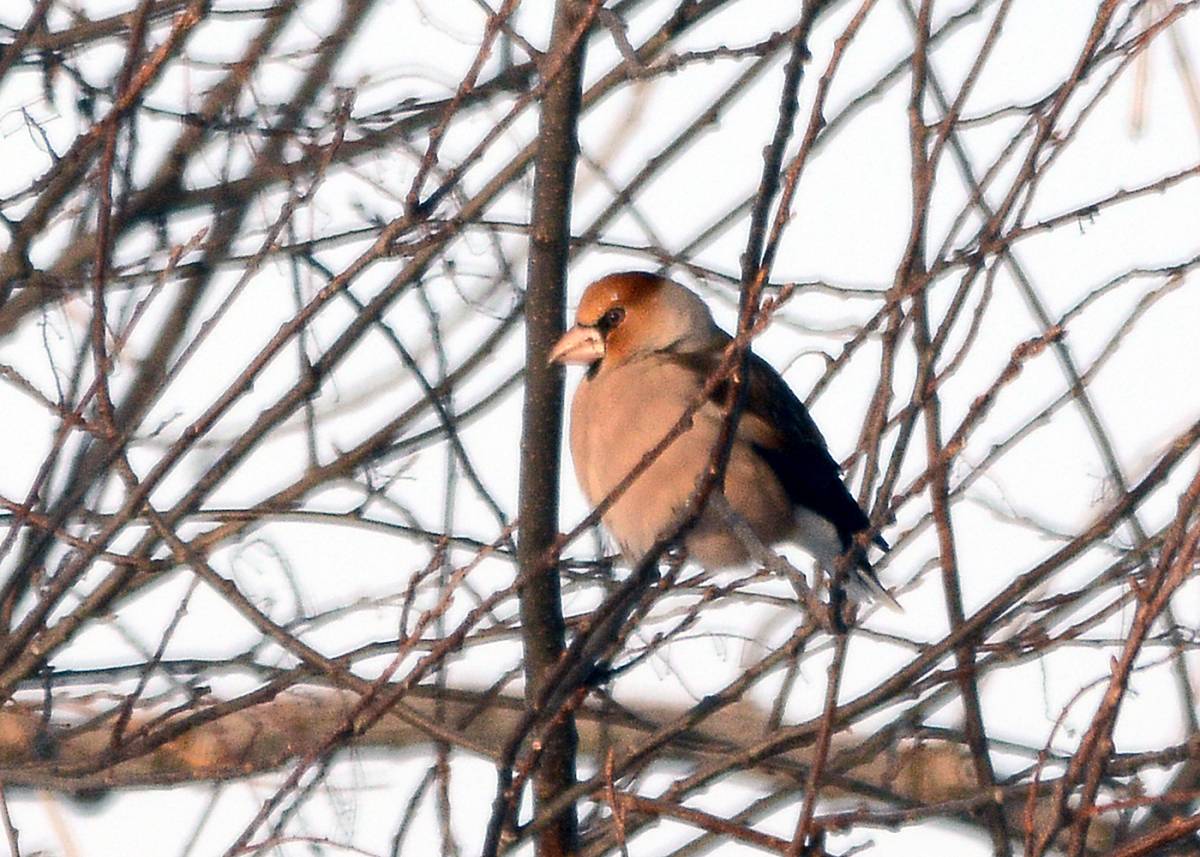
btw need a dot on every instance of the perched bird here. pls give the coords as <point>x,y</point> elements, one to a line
<point>650,345</point>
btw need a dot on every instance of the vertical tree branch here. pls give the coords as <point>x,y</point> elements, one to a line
<point>146,234</point>
<point>915,271</point>
<point>542,624</point>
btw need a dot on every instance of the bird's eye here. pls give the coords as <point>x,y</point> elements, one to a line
<point>611,319</point>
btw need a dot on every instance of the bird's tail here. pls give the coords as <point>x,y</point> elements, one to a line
<point>864,585</point>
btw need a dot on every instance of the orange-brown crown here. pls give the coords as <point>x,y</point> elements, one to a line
<point>625,289</point>
<point>639,312</point>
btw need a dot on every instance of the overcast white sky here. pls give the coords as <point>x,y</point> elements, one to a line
<point>850,223</point>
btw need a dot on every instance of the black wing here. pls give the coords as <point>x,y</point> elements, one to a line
<point>781,431</point>
<point>796,452</point>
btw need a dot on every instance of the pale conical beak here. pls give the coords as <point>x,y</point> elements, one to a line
<point>578,345</point>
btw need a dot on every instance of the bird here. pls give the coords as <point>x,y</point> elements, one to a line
<point>649,346</point>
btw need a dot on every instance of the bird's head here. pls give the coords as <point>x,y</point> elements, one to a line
<point>633,313</point>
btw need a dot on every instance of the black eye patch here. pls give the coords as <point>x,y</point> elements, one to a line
<point>610,320</point>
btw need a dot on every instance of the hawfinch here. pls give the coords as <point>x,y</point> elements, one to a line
<point>649,345</point>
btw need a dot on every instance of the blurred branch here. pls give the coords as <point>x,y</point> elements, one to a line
<point>263,317</point>
<point>260,738</point>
